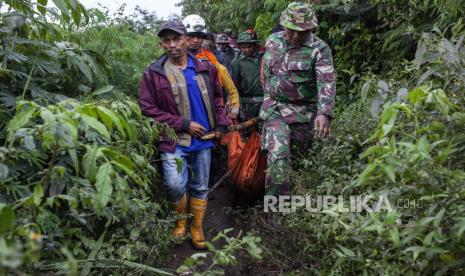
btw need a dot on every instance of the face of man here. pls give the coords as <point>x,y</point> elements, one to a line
<point>174,44</point>
<point>223,46</point>
<point>296,38</point>
<point>247,49</point>
<point>194,41</point>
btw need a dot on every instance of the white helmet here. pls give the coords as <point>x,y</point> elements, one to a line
<point>194,24</point>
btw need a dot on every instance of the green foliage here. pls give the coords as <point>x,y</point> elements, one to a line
<point>365,35</point>
<point>220,15</point>
<point>79,191</point>
<point>71,165</point>
<point>412,152</point>
<point>128,52</point>
<point>223,256</point>
<point>36,63</point>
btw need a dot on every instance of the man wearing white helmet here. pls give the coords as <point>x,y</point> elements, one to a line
<point>196,33</point>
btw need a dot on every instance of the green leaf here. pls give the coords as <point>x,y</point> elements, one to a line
<point>70,136</point>
<point>179,163</point>
<point>394,233</point>
<point>96,125</point>
<point>417,95</point>
<point>129,130</point>
<point>71,200</point>
<point>81,64</point>
<point>364,91</point>
<point>89,162</point>
<point>38,194</point>
<point>124,163</point>
<point>442,101</point>
<point>21,118</point>
<point>438,218</point>
<point>460,228</point>
<point>76,13</point>
<point>365,175</point>
<point>110,118</point>
<point>47,116</point>
<point>73,4</point>
<point>416,251</point>
<point>347,252</point>
<point>7,217</point>
<point>103,90</point>
<point>73,155</point>
<point>103,184</point>
<point>61,5</point>
<point>93,253</point>
<point>459,117</point>
<point>41,8</point>
<point>4,171</point>
<point>390,171</point>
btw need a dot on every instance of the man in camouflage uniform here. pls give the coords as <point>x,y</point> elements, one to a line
<point>246,76</point>
<point>299,91</point>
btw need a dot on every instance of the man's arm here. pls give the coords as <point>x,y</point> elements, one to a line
<point>326,86</point>
<point>230,88</point>
<point>149,107</point>
<point>325,81</point>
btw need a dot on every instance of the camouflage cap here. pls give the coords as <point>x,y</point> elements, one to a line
<point>247,37</point>
<point>299,16</point>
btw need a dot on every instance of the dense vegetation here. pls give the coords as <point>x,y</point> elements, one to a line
<point>78,168</point>
<point>398,131</point>
<point>75,166</point>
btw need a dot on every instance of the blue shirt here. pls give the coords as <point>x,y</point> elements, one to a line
<point>197,108</point>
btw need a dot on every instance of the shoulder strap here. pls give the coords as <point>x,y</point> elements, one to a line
<point>179,89</point>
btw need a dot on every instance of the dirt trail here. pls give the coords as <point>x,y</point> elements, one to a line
<point>221,214</point>
<point>217,218</point>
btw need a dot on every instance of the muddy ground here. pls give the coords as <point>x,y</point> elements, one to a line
<point>226,209</point>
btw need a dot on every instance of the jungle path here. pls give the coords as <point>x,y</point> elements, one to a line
<point>220,215</point>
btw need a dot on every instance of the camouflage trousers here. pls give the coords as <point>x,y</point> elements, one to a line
<point>283,142</point>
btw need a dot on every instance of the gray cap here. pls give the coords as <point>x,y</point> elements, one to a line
<point>172,25</point>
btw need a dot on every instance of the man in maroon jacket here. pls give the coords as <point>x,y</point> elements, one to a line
<point>180,90</point>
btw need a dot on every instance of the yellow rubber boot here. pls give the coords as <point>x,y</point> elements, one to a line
<point>197,208</point>
<point>179,231</point>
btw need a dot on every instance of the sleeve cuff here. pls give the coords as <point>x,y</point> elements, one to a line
<point>185,125</point>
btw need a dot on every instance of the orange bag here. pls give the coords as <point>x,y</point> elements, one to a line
<point>246,162</point>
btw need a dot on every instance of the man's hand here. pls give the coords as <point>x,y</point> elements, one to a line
<point>322,125</point>
<point>196,130</point>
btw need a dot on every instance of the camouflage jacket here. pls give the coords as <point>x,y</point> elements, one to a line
<point>298,81</point>
<point>246,75</point>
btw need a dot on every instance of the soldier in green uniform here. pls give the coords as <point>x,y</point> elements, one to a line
<point>299,91</point>
<point>246,76</point>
